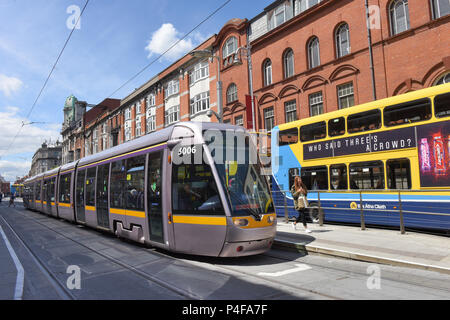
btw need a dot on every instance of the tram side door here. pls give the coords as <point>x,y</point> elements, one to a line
<point>102,196</point>
<point>154,197</point>
<point>79,196</point>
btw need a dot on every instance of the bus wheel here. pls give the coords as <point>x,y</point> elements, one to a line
<point>314,214</point>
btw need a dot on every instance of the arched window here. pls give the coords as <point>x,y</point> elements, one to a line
<point>440,8</point>
<point>342,40</point>
<point>288,61</point>
<point>399,14</point>
<point>267,71</point>
<point>313,53</point>
<point>232,93</point>
<point>444,79</point>
<point>229,48</point>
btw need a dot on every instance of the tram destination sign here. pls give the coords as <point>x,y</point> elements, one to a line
<point>373,142</point>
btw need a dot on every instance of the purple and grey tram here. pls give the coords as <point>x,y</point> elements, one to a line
<point>192,188</point>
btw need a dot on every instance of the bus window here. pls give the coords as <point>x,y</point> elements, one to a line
<point>338,176</point>
<point>364,121</point>
<point>292,174</point>
<point>367,175</point>
<point>289,136</point>
<point>315,178</point>
<point>398,174</point>
<point>409,112</point>
<point>313,131</point>
<point>442,105</point>
<point>336,127</point>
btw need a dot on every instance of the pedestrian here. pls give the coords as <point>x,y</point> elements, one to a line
<point>299,193</point>
<point>11,200</point>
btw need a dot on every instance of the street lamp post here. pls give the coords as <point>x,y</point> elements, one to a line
<point>248,56</point>
<point>210,54</point>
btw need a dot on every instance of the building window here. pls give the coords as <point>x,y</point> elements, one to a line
<point>345,95</point>
<point>127,114</point>
<point>128,131</point>
<point>138,108</point>
<point>232,93</point>
<point>444,79</point>
<point>313,53</point>
<point>267,71</point>
<point>151,100</point>
<point>280,15</point>
<point>200,103</point>
<point>239,121</point>
<point>200,72</point>
<point>440,8</point>
<point>269,119</point>
<point>172,115</point>
<point>399,15</point>
<point>288,60</point>
<point>290,108</point>
<point>316,104</point>
<point>303,5</point>
<point>138,127</point>
<point>342,40</point>
<point>151,119</point>
<point>229,49</point>
<point>173,87</point>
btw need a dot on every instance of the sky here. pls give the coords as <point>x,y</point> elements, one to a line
<point>114,40</point>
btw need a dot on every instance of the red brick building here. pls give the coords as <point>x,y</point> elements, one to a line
<point>310,57</point>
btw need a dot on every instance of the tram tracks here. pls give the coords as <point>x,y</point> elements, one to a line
<point>62,289</point>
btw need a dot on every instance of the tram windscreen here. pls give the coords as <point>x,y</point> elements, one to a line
<point>239,170</point>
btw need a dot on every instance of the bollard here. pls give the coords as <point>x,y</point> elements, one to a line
<point>286,217</point>
<point>402,225</point>
<point>320,210</point>
<point>363,224</point>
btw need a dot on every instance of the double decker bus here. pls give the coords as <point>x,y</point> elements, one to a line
<point>383,158</point>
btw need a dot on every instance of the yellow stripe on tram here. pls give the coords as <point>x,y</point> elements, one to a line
<point>123,212</point>
<point>212,221</point>
<point>67,205</point>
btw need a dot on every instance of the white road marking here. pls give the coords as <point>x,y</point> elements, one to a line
<point>20,272</point>
<point>300,267</point>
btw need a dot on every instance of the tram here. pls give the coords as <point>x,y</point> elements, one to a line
<point>192,188</point>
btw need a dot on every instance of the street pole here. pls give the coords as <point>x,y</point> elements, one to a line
<point>219,91</point>
<point>369,37</point>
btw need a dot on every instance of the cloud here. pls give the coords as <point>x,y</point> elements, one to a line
<point>166,36</point>
<point>30,137</point>
<point>9,85</point>
<point>10,170</point>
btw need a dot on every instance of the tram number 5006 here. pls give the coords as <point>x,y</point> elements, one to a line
<point>187,151</point>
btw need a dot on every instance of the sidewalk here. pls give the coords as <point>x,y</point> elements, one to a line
<point>414,250</point>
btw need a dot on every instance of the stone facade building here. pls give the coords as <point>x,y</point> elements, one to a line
<point>46,158</point>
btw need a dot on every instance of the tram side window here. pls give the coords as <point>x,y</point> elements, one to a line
<point>38,190</point>
<point>398,174</point>
<point>118,184</point>
<point>367,175</point>
<point>52,190</point>
<point>409,112</point>
<point>194,190</point>
<point>135,186</point>
<point>315,178</point>
<point>314,131</point>
<point>364,121</point>
<point>287,137</point>
<point>336,127</point>
<point>338,176</point>
<point>442,105</point>
<point>64,188</point>
<point>90,186</point>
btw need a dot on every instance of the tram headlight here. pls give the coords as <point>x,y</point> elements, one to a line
<point>271,219</point>
<point>241,222</point>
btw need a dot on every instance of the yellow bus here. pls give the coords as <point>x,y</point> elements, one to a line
<point>384,157</point>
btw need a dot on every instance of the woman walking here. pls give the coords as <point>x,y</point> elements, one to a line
<point>299,193</point>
